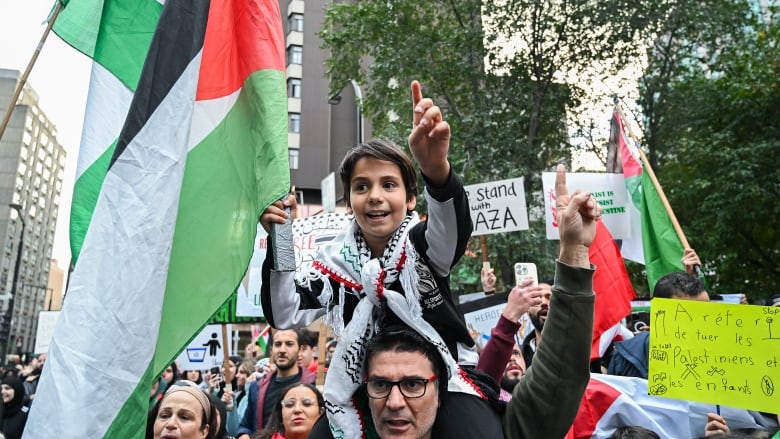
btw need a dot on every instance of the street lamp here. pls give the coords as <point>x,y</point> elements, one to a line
<point>336,99</point>
<point>7,318</point>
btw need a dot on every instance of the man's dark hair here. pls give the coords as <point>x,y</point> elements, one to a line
<point>634,432</point>
<point>408,340</point>
<point>381,150</point>
<point>678,284</point>
<point>274,331</point>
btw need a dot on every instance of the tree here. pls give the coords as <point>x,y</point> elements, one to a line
<point>714,129</point>
<point>500,104</point>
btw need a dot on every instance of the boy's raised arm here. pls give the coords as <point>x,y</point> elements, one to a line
<point>429,140</point>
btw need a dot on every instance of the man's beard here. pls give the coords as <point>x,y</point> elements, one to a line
<point>537,321</point>
<point>286,366</point>
<point>509,383</point>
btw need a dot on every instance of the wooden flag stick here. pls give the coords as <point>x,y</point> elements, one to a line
<point>656,184</point>
<point>227,373</point>
<point>485,257</point>
<point>20,85</point>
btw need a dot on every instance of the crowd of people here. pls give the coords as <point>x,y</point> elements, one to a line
<point>404,364</point>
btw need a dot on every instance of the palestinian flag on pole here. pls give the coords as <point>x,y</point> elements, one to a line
<point>116,35</point>
<point>660,246</point>
<point>203,151</point>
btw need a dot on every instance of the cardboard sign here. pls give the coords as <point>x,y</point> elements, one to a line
<point>608,189</point>
<point>498,206</point>
<point>205,350</point>
<point>716,353</point>
<point>46,322</point>
<point>482,314</point>
<point>308,234</point>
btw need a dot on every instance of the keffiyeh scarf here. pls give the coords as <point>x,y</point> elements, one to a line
<point>349,264</point>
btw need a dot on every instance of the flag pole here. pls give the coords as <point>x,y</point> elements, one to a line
<point>20,85</point>
<point>654,179</point>
<point>227,374</point>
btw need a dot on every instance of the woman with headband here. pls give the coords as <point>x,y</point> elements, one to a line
<point>185,412</point>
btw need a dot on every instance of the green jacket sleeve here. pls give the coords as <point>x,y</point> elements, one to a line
<point>546,400</point>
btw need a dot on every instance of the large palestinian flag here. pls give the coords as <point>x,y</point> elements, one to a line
<point>202,152</point>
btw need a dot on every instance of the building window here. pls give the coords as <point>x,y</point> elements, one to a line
<point>293,158</point>
<point>295,22</point>
<point>295,55</point>
<point>295,122</point>
<point>294,88</point>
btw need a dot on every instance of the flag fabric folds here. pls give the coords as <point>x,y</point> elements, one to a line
<point>661,249</point>
<point>614,401</point>
<point>116,35</point>
<point>613,289</point>
<point>202,152</point>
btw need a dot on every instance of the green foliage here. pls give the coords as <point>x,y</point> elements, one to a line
<point>509,119</point>
<point>715,127</point>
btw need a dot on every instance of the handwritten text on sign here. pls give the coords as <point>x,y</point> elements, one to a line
<point>498,206</point>
<point>714,352</point>
<point>608,189</point>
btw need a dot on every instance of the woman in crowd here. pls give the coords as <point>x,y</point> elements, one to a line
<point>14,410</point>
<point>294,414</point>
<point>236,400</point>
<point>184,411</point>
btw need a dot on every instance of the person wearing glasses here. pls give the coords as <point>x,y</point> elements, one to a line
<point>404,384</point>
<point>295,412</point>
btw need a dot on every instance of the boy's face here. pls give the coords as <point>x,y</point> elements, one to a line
<point>378,200</point>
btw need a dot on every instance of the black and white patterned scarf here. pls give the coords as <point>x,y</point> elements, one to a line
<point>348,262</point>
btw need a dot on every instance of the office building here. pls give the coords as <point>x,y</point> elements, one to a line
<point>32,163</point>
<point>321,129</point>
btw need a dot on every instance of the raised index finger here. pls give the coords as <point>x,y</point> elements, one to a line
<point>560,182</point>
<point>416,98</point>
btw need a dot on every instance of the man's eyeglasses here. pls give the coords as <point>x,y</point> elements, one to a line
<point>379,388</point>
<point>306,402</point>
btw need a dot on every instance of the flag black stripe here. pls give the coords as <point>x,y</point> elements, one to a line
<point>177,40</point>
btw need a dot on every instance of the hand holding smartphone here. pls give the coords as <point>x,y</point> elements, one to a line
<point>524,271</point>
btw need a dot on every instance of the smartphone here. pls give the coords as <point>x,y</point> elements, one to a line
<point>526,270</point>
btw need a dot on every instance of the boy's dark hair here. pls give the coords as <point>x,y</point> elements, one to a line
<point>401,339</point>
<point>678,284</point>
<point>381,150</point>
<point>308,338</point>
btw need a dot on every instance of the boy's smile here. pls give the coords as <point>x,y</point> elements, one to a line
<point>378,199</point>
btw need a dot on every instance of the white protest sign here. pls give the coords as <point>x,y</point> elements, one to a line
<point>248,293</point>
<point>498,206</point>
<point>46,322</point>
<point>205,350</point>
<point>608,189</point>
<point>308,234</point>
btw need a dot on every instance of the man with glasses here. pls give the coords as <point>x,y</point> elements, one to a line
<point>403,385</point>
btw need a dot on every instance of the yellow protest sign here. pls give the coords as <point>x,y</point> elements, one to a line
<point>713,352</point>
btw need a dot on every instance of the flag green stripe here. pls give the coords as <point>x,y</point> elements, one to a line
<point>633,184</point>
<point>231,176</point>
<point>662,248</point>
<point>85,195</point>
<point>116,34</point>
<point>124,425</point>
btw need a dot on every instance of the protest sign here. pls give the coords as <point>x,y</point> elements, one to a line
<point>205,350</point>
<point>308,233</point>
<point>498,206</point>
<point>715,352</point>
<point>482,314</point>
<point>46,322</point>
<point>608,189</point>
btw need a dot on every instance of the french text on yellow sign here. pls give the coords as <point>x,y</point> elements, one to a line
<point>714,352</point>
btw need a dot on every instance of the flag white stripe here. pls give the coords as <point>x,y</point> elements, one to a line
<point>208,114</point>
<point>107,104</point>
<point>110,322</point>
